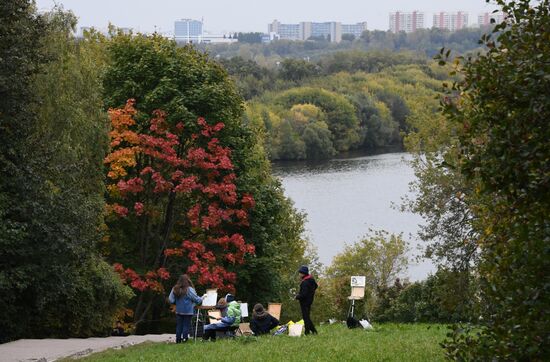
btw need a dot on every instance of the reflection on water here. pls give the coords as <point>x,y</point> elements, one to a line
<point>344,198</point>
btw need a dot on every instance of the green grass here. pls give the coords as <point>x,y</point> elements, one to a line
<point>387,342</point>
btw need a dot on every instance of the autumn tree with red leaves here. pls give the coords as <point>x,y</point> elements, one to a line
<point>208,195</point>
<point>178,194</point>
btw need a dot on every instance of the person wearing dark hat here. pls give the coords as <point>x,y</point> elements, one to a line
<point>230,320</point>
<point>262,322</point>
<point>305,297</point>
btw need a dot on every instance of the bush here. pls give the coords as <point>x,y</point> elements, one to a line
<point>446,296</point>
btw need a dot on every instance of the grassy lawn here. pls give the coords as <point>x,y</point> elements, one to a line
<point>387,342</point>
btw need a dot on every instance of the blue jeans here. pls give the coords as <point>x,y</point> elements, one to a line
<point>183,324</point>
<point>210,330</point>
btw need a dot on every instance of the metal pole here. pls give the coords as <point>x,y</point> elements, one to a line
<point>197,324</point>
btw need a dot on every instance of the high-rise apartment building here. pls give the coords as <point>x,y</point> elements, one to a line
<point>407,22</point>
<point>331,30</point>
<point>188,30</point>
<point>451,21</point>
<point>285,31</point>
<point>354,29</point>
<point>484,19</point>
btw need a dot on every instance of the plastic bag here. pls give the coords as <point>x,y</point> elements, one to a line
<point>281,330</point>
<point>365,324</point>
<point>295,330</point>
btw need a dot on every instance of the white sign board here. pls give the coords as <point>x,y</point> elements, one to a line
<point>358,281</point>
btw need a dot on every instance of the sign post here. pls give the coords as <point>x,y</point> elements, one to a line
<point>358,281</point>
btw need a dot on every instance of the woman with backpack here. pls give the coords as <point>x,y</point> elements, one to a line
<point>185,298</point>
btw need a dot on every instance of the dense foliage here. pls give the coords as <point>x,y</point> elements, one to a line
<point>424,41</point>
<point>190,187</point>
<point>181,146</point>
<point>446,296</point>
<point>52,280</point>
<point>502,107</point>
<point>359,108</point>
<point>180,181</point>
<point>380,257</point>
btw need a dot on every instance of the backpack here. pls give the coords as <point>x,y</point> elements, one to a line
<point>352,322</point>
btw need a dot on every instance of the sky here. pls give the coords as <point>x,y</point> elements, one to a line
<point>249,15</point>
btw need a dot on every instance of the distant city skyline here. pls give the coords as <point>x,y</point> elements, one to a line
<point>247,15</point>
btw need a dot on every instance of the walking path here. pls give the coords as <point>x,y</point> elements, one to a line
<point>45,350</point>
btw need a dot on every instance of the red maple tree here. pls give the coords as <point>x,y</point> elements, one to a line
<point>181,186</point>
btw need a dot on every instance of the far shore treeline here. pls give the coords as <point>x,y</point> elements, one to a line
<point>129,159</point>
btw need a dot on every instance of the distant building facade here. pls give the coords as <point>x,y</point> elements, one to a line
<point>354,29</point>
<point>188,30</point>
<point>330,30</point>
<point>484,19</point>
<point>450,21</point>
<point>285,31</point>
<point>406,21</point>
<point>192,31</point>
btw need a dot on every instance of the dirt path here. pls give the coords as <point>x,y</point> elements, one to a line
<point>52,349</point>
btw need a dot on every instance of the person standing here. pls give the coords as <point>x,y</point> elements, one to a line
<point>305,297</point>
<point>184,296</point>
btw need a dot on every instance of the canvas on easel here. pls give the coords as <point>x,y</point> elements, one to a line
<point>357,293</point>
<point>275,309</point>
<point>244,310</point>
<point>210,298</point>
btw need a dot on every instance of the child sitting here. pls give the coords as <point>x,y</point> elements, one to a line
<point>262,322</point>
<point>230,320</point>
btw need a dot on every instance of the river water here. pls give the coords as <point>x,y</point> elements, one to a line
<point>344,198</point>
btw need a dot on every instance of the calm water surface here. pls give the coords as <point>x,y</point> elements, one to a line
<point>344,198</point>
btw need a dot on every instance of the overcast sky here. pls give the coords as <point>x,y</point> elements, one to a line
<point>249,15</point>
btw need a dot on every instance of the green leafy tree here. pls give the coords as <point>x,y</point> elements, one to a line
<point>501,109</point>
<point>446,296</point>
<point>341,118</point>
<point>297,69</point>
<point>20,58</point>
<point>381,257</point>
<point>317,139</point>
<point>289,146</point>
<point>348,37</point>
<point>252,38</point>
<point>52,192</point>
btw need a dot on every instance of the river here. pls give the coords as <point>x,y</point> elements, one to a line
<point>345,197</point>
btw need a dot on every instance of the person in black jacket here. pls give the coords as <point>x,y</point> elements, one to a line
<point>305,297</point>
<point>262,322</point>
